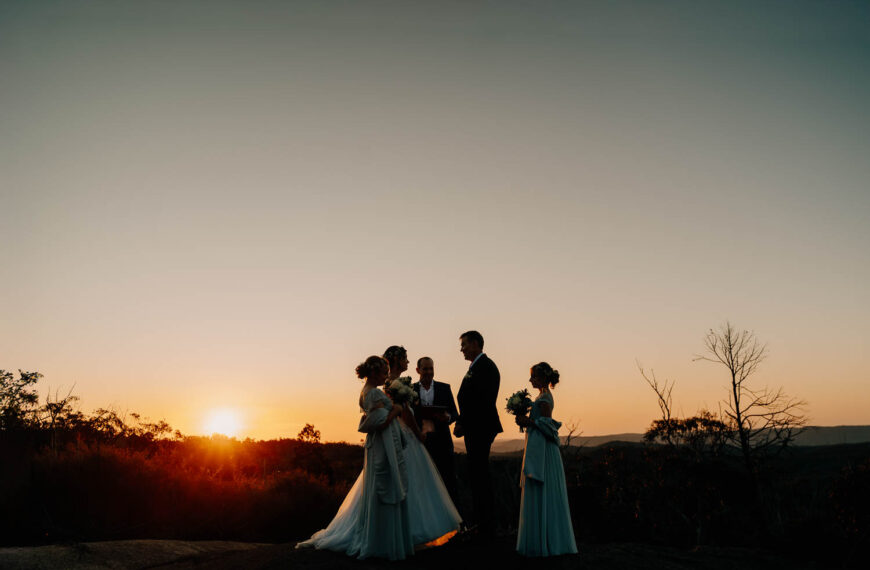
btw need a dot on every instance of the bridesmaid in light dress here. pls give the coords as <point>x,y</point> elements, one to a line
<point>545,519</point>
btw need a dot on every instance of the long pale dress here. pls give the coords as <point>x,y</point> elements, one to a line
<point>545,518</point>
<point>373,521</point>
<point>433,514</point>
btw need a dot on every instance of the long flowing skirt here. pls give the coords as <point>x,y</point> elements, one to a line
<point>545,517</point>
<point>431,513</point>
<point>365,526</point>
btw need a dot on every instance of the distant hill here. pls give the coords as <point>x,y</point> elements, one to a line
<point>812,435</point>
<point>833,435</point>
<point>511,445</point>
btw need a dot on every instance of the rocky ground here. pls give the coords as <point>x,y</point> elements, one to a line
<point>456,555</point>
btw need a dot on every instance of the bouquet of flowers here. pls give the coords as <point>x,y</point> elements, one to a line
<point>519,403</point>
<point>400,391</point>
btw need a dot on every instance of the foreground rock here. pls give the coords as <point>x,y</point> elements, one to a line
<point>177,555</point>
<point>117,554</point>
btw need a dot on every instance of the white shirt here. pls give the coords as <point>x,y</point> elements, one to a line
<point>427,396</point>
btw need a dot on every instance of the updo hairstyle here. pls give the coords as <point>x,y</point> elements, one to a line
<point>394,353</point>
<point>370,366</point>
<point>546,371</point>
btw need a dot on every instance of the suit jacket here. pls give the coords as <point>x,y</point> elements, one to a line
<point>443,396</point>
<point>477,396</point>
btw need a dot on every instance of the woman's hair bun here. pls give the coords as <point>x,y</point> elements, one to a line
<point>367,368</point>
<point>545,370</point>
<point>554,378</point>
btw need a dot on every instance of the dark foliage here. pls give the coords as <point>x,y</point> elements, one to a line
<point>196,488</point>
<point>704,434</point>
<point>68,476</point>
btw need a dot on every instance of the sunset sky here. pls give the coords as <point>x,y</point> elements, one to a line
<point>228,205</point>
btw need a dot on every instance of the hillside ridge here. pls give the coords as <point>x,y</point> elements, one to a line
<point>809,436</point>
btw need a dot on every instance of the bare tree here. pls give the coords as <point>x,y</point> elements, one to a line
<point>703,433</point>
<point>763,420</point>
<point>574,432</point>
<point>665,400</point>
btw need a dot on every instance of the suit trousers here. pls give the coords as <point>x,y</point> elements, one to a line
<point>477,447</point>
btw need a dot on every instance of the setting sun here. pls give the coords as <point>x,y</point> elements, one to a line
<point>225,421</point>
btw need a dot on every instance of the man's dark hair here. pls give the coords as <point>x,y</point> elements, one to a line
<point>422,358</point>
<point>473,336</point>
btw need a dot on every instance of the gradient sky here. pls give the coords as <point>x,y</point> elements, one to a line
<point>231,204</point>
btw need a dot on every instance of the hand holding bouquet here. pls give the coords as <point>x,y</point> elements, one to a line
<point>400,391</point>
<point>519,403</point>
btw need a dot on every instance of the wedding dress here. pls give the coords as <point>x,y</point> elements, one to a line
<point>431,513</point>
<point>373,520</point>
<point>545,518</point>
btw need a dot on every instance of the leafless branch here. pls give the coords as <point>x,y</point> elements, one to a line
<point>763,419</point>
<point>663,391</point>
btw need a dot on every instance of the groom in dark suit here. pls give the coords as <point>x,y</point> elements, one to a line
<point>478,422</point>
<point>435,422</point>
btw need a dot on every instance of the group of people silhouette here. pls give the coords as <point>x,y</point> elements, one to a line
<point>406,493</point>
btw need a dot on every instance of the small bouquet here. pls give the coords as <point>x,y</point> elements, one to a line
<point>519,403</point>
<point>401,392</point>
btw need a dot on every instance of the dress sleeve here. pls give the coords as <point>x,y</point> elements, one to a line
<point>549,428</point>
<point>543,432</point>
<point>374,417</point>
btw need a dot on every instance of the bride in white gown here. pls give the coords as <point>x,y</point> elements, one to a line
<point>431,512</point>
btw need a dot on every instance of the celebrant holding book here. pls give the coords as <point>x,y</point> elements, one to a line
<point>434,412</point>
